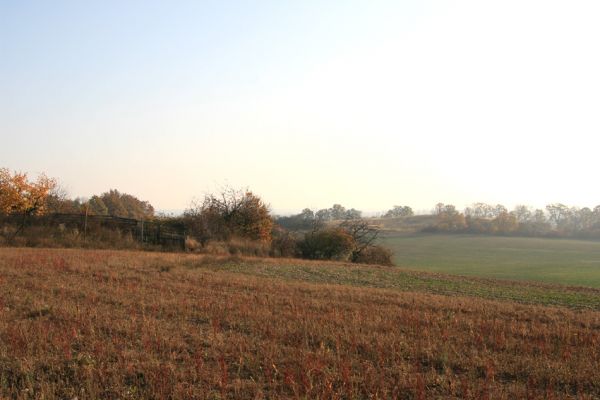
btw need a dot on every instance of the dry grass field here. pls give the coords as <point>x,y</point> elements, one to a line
<point>90,324</point>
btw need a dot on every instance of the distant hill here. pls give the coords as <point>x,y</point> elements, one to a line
<point>411,224</point>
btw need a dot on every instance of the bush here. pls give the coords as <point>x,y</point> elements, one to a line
<point>230,214</point>
<point>284,243</point>
<point>246,247</point>
<point>328,244</point>
<point>215,248</point>
<point>232,247</point>
<point>375,255</point>
<point>191,244</point>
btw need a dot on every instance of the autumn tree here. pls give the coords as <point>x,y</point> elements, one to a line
<point>96,206</point>
<point>20,195</point>
<point>505,223</point>
<point>305,220</point>
<point>363,235</point>
<point>230,213</point>
<point>485,211</point>
<point>523,213</point>
<point>323,215</point>
<point>307,215</point>
<point>337,212</point>
<point>480,210</point>
<point>24,197</point>
<point>399,211</point>
<point>353,214</point>
<point>123,205</point>
<point>58,202</point>
<point>448,219</point>
<point>583,219</point>
<point>118,204</point>
<point>478,224</point>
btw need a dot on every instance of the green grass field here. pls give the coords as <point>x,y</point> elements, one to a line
<point>561,261</point>
<point>400,279</point>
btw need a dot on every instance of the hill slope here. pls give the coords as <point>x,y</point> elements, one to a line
<point>107,324</point>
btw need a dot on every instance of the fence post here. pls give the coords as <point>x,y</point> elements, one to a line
<point>87,207</point>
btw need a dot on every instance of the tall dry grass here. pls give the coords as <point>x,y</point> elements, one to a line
<point>127,325</point>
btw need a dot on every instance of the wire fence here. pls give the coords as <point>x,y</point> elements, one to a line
<point>155,232</point>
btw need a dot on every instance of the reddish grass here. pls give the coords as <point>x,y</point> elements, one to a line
<point>107,324</point>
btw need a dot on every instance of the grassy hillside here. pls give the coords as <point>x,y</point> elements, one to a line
<point>108,324</point>
<point>563,261</point>
<point>409,225</point>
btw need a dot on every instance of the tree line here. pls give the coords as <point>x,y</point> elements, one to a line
<point>112,202</point>
<point>555,220</point>
<point>307,218</point>
<point>226,218</point>
<point>331,233</point>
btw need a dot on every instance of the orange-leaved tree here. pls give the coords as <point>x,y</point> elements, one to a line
<point>20,195</point>
<point>231,213</point>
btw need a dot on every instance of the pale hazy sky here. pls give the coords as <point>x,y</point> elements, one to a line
<point>308,103</point>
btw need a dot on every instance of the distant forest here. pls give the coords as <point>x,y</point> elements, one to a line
<point>555,220</point>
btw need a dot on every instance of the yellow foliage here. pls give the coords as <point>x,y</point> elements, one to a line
<point>19,195</point>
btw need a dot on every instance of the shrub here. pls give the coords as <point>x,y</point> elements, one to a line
<point>231,247</point>
<point>191,244</point>
<point>327,244</point>
<point>375,255</point>
<point>215,248</point>
<point>283,244</point>
<point>247,247</point>
<point>230,214</point>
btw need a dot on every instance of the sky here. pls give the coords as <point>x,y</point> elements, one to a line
<point>365,103</point>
